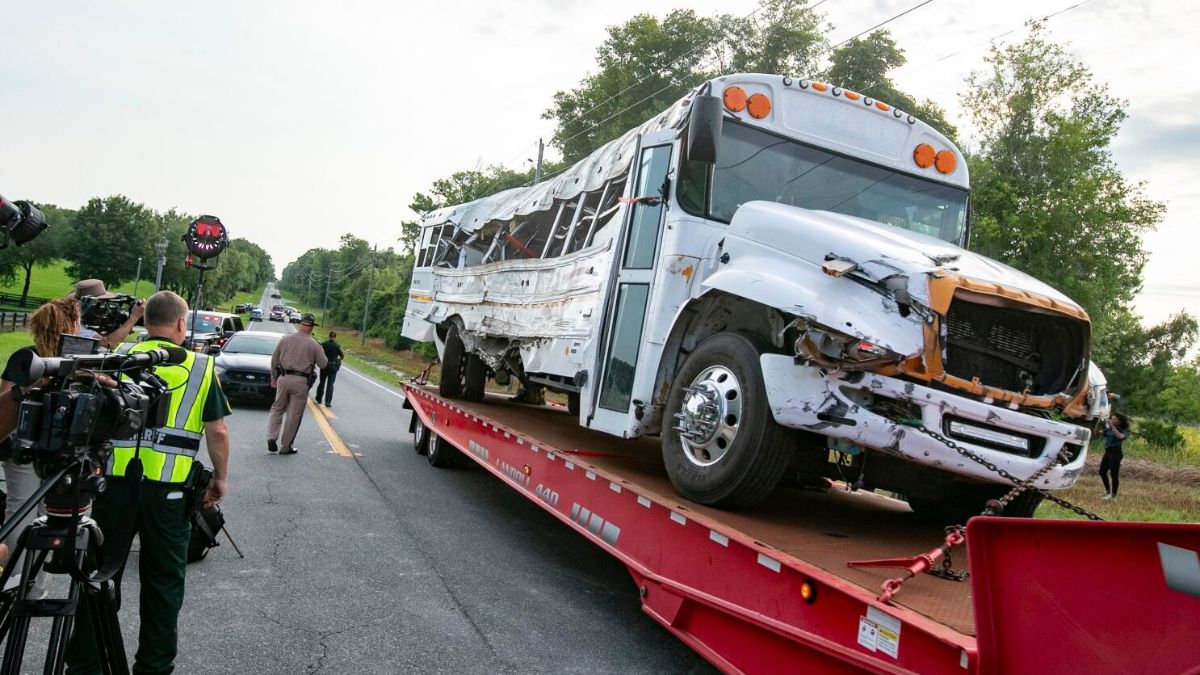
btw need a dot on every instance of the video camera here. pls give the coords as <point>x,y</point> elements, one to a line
<point>20,222</point>
<point>70,415</point>
<point>105,316</point>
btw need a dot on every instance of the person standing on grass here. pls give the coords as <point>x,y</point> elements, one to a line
<point>1116,430</point>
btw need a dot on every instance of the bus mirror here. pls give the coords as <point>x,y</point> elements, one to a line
<point>704,129</point>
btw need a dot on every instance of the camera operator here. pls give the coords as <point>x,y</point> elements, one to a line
<point>95,288</point>
<point>47,325</point>
<point>198,408</point>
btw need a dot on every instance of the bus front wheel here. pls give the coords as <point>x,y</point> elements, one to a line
<point>720,444</point>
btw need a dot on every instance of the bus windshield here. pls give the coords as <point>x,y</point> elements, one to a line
<point>756,165</point>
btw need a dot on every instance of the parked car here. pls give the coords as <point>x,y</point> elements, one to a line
<point>244,365</point>
<point>212,329</point>
<point>276,296</point>
<point>242,308</point>
<point>278,315</point>
<point>256,314</point>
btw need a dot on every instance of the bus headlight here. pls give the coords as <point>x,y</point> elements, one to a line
<point>834,349</point>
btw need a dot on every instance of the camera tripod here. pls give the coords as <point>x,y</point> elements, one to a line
<point>62,542</point>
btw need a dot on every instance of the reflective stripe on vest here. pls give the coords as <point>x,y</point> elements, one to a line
<point>167,452</point>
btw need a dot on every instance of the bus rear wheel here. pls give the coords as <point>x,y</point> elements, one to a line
<point>474,378</point>
<point>453,357</point>
<point>720,444</point>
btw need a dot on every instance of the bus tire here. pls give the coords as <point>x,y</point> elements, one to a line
<point>573,403</point>
<point>441,453</point>
<point>474,378</point>
<point>421,436</point>
<point>453,355</point>
<point>741,459</point>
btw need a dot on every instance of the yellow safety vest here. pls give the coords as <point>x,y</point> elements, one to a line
<point>167,452</point>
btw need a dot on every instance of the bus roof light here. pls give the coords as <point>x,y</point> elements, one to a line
<point>735,99</point>
<point>852,95</point>
<point>820,86</point>
<point>882,106</point>
<point>923,155</point>
<point>759,106</point>
<point>945,161</point>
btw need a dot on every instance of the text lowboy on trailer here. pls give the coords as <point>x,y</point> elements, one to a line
<point>770,591</point>
<point>769,274</point>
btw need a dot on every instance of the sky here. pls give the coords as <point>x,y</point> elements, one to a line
<point>298,121</point>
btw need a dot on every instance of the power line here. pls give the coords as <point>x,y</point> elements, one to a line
<point>991,39</point>
<point>881,24</point>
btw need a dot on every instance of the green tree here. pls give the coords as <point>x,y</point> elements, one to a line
<point>1048,197</point>
<point>1180,398</point>
<point>1050,200</point>
<point>110,235</point>
<point>863,64</point>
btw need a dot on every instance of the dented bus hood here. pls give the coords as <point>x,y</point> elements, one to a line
<point>880,251</point>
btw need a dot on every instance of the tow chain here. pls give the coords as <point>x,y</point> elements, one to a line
<point>956,534</point>
<point>423,378</point>
<point>1019,485</point>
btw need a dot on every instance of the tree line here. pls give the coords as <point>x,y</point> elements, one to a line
<point>104,238</point>
<point>1047,199</point>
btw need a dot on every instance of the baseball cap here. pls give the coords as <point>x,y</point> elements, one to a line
<point>90,287</point>
<point>308,319</point>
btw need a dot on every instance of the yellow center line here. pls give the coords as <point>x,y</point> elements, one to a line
<point>327,413</point>
<point>330,435</point>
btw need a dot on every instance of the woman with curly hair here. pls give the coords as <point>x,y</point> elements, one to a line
<point>47,325</point>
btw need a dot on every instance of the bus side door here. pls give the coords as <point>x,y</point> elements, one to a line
<point>629,291</point>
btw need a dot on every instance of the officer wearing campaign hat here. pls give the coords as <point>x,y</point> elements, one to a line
<point>294,365</point>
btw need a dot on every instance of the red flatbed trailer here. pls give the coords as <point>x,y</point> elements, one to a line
<point>768,590</point>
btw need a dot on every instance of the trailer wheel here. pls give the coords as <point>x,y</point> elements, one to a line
<point>453,355</point>
<point>474,378</point>
<point>441,453</point>
<point>961,503</point>
<point>421,436</point>
<point>720,444</point>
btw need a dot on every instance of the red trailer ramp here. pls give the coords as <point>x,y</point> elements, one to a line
<point>765,590</point>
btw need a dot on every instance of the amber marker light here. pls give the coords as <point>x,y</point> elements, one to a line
<point>923,155</point>
<point>735,99</point>
<point>945,161</point>
<point>808,592</point>
<point>820,86</point>
<point>759,106</point>
<point>853,96</point>
<point>882,106</point>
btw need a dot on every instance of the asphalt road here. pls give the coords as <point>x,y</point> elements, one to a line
<point>378,563</point>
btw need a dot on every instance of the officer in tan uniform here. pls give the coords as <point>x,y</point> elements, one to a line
<point>295,360</point>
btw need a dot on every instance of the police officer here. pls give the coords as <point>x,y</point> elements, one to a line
<point>198,408</point>
<point>334,354</point>
<point>296,359</point>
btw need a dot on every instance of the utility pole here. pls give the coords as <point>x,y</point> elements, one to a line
<point>138,282</point>
<point>161,249</point>
<point>325,304</point>
<point>537,172</point>
<point>367,305</point>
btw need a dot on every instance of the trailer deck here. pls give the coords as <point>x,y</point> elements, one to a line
<point>825,529</point>
<point>768,589</point>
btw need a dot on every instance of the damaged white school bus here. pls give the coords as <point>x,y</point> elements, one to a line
<point>770,275</point>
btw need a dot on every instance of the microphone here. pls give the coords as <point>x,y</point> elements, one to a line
<point>171,355</point>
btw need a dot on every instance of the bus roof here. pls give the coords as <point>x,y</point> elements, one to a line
<point>814,112</point>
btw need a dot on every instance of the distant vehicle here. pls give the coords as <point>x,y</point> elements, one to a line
<point>242,308</point>
<point>256,314</point>
<point>212,329</point>
<point>244,365</point>
<point>276,296</point>
<point>278,315</point>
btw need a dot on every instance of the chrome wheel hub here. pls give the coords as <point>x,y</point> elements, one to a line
<point>709,415</point>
